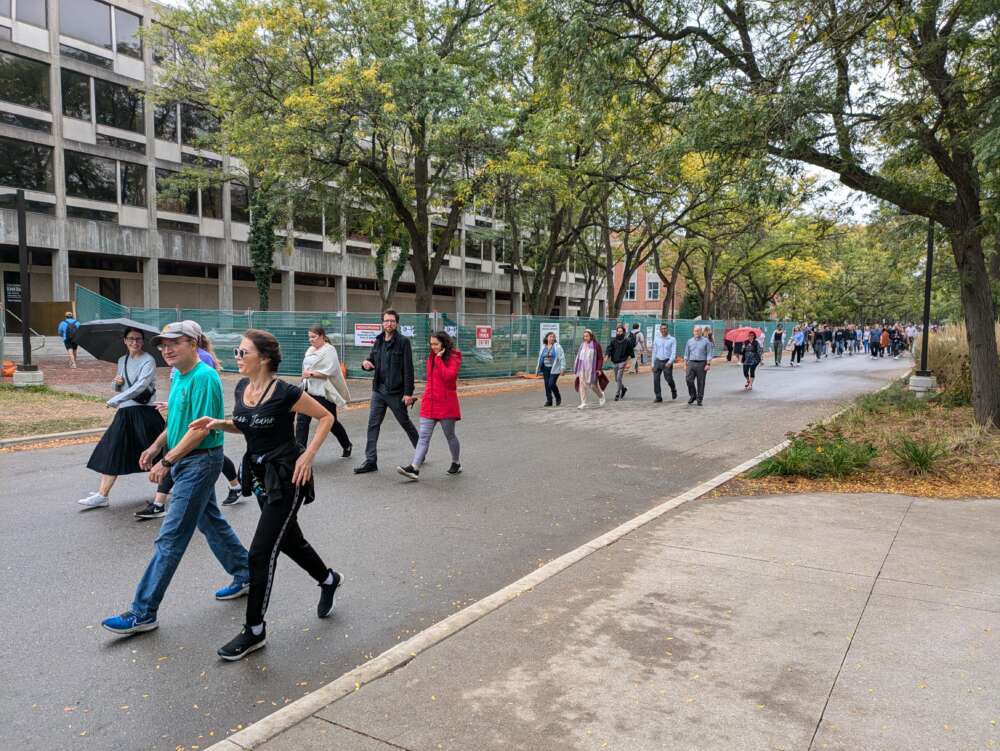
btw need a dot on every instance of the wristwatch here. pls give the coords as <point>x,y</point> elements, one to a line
<point>166,462</point>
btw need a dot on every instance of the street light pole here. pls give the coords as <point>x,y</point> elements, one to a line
<point>927,299</point>
<point>923,382</point>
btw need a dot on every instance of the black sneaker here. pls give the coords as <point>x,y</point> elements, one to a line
<point>328,595</point>
<point>673,395</point>
<point>347,451</point>
<point>366,467</point>
<point>455,468</point>
<point>409,471</point>
<point>692,400</point>
<point>699,403</point>
<point>235,496</point>
<point>624,391</point>
<point>658,399</point>
<point>152,511</point>
<point>547,404</point>
<point>243,644</point>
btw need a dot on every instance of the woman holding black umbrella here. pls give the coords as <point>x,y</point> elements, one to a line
<point>137,423</point>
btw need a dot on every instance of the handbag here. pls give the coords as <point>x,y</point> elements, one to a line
<point>143,397</point>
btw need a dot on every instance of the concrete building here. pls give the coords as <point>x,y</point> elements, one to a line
<point>78,133</point>
<point>644,292</point>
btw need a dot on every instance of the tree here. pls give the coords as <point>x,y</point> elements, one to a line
<point>894,98</point>
<point>325,92</point>
<point>261,245</point>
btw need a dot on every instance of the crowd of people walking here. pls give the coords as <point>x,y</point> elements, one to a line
<point>179,442</point>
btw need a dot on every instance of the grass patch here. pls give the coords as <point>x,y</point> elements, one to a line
<point>834,457</point>
<point>890,441</point>
<point>38,410</point>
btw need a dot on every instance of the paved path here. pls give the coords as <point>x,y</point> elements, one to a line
<point>538,482</point>
<point>783,622</point>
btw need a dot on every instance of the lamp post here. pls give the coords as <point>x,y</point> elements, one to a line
<point>923,382</point>
<point>26,374</point>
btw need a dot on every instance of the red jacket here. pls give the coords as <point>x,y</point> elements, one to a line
<point>440,399</point>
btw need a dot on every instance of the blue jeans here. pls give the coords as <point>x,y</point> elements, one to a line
<point>193,505</point>
<point>549,381</point>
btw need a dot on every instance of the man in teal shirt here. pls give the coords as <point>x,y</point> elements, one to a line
<point>194,457</point>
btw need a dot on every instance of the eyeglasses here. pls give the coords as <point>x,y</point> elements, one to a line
<point>240,353</point>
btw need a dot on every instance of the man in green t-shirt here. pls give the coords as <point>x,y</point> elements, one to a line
<point>194,458</point>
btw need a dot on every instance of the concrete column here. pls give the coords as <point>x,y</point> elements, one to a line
<point>491,302</point>
<point>228,246</point>
<point>342,292</point>
<point>60,256</point>
<point>288,289</point>
<point>602,308</point>
<point>151,282</point>
<point>517,304</point>
<point>564,306</point>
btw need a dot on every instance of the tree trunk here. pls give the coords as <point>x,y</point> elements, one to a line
<point>980,322</point>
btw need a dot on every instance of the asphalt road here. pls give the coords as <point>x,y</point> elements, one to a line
<point>537,483</point>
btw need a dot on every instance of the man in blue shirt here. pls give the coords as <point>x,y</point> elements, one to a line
<point>664,354</point>
<point>697,360</point>
<point>67,332</point>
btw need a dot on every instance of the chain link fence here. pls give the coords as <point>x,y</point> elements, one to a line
<point>491,345</point>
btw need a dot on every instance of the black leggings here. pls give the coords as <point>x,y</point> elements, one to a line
<point>797,353</point>
<point>749,371</point>
<point>278,531</point>
<point>167,483</point>
<point>302,425</point>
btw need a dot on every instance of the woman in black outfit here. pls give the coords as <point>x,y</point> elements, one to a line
<point>279,472</point>
<point>752,355</point>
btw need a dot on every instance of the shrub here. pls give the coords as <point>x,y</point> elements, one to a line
<point>918,457</point>
<point>948,360</point>
<point>896,399</point>
<point>827,457</point>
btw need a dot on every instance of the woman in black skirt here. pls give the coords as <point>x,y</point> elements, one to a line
<point>136,425</point>
<point>279,472</point>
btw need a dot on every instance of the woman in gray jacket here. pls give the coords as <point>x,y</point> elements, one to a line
<point>136,425</point>
<point>551,363</point>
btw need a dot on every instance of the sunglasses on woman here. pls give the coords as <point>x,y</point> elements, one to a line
<point>240,352</point>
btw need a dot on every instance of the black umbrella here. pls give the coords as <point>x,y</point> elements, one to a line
<point>105,339</point>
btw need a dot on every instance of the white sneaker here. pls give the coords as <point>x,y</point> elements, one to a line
<point>582,405</point>
<point>603,400</point>
<point>94,500</point>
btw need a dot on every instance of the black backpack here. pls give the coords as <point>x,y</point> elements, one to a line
<point>71,331</point>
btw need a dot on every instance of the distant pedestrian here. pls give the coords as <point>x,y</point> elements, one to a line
<point>778,344</point>
<point>278,471</point>
<point>883,342</point>
<point>697,361</point>
<point>324,381</point>
<point>194,457</point>
<point>551,364</point>
<point>620,351</point>
<point>439,404</point>
<point>137,424</point>
<point>798,346</point>
<point>68,327</point>
<point>638,346</point>
<point>752,355</point>
<point>664,354</point>
<point>589,369</point>
<point>391,359</point>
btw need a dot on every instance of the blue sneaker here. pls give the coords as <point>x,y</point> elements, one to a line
<point>233,591</point>
<point>128,623</point>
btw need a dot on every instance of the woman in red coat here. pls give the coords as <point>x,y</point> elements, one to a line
<point>439,404</point>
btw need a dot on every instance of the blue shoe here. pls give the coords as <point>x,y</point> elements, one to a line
<point>233,591</point>
<point>129,623</point>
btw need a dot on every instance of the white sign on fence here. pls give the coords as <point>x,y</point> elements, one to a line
<point>365,333</point>
<point>406,331</point>
<point>545,328</point>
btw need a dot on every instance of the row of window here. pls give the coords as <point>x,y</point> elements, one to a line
<point>25,82</point>
<point>90,21</point>
<point>652,290</point>
<point>29,166</point>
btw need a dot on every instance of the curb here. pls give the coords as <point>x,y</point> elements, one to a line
<point>398,656</point>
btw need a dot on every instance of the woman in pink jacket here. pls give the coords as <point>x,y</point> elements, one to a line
<point>439,403</point>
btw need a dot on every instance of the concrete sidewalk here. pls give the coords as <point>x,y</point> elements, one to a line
<point>782,622</point>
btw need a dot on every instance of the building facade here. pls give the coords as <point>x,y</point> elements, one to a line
<point>644,292</point>
<point>79,134</point>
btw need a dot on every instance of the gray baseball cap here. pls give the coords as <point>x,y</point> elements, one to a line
<point>177,329</point>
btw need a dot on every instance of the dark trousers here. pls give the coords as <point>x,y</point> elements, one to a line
<point>376,414</point>
<point>660,367</point>
<point>551,390</point>
<point>696,372</point>
<point>278,532</point>
<point>167,483</point>
<point>302,425</point>
<point>749,371</point>
<point>777,348</point>
<point>797,351</point>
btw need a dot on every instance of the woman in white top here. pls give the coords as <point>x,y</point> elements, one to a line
<point>136,425</point>
<point>323,380</point>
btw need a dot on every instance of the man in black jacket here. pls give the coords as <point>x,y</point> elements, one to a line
<point>391,358</point>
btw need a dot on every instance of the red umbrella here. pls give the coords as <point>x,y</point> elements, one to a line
<point>742,334</point>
